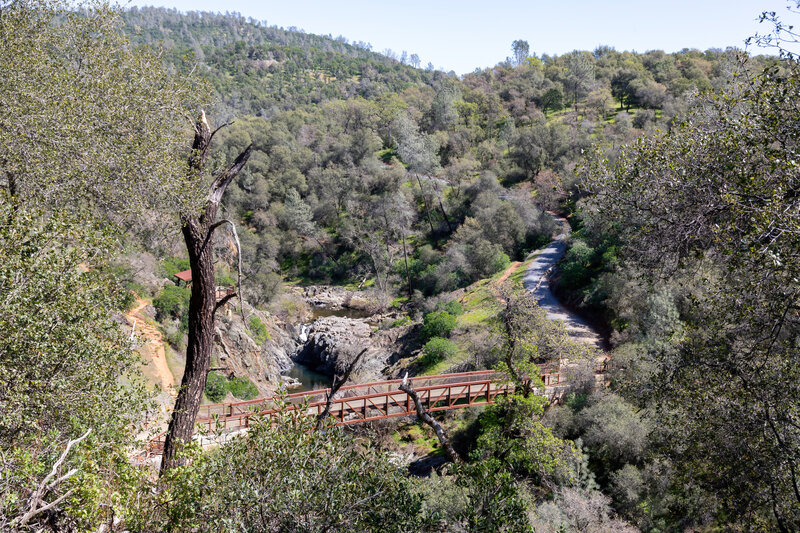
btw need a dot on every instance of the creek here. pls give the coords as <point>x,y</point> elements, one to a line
<point>344,312</point>
<point>309,379</point>
<point>305,375</point>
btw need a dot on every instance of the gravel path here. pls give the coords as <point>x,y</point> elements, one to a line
<point>537,281</point>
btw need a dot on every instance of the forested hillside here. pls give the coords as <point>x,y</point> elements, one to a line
<point>418,180</point>
<point>337,177</point>
<point>261,70</point>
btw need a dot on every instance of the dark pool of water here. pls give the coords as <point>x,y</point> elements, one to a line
<point>345,312</point>
<point>309,379</point>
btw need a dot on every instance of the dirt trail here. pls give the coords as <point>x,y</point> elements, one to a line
<point>510,270</point>
<point>152,349</point>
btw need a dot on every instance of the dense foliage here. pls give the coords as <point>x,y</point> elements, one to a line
<point>710,214</point>
<point>367,170</point>
<point>66,366</point>
<point>285,476</point>
<point>366,167</point>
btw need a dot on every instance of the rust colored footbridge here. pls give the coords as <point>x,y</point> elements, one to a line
<point>366,402</point>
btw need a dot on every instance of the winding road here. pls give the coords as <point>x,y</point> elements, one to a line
<point>537,281</point>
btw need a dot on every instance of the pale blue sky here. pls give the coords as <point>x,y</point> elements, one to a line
<point>462,35</point>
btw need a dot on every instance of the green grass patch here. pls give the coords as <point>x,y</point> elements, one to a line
<point>442,366</point>
<point>399,301</point>
<point>387,154</point>
<point>479,303</point>
<point>356,285</point>
<point>519,273</point>
<point>400,322</point>
<point>259,330</point>
<point>418,435</point>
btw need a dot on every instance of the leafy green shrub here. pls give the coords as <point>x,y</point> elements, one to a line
<point>453,307</point>
<point>242,388</point>
<point>402,321</point>
<point>127,300</point>
<point>173,265</point>
<point>173,302</point>
<point>576,401</point>
<point>437,324</point>
<point>576,265</point>
<point>437,349</point>
<point>216,387</point>
<point>258,329</point>
<point>225,280</point>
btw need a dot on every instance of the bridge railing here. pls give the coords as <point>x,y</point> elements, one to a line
<point>222,292</point>
<point>235,408</point>
<point>366,402</point>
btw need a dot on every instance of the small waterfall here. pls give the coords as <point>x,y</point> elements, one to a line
<point>303,337</point>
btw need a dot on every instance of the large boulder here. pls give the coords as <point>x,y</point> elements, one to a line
<point>327,296</point>
<point>332,342</point>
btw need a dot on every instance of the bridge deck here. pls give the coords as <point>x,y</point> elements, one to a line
<point>365,402</point>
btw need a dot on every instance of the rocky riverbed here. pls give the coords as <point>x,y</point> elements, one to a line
<point>306,349</point>
<point>328,344</point>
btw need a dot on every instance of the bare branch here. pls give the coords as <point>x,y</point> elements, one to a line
<point>338,382</point>
<point>224,300</point>
<point>238,255</point>
<point>222,181</point>
<point>45,486</point>
<point>426,417</point>
<point>63,478</point>
<point>219,128</point>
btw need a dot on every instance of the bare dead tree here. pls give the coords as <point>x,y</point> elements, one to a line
<point>36,504</point>
<point>338,382</point>
<point>198,231</point>
<point>426,417</point>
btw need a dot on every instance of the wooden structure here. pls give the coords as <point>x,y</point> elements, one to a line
<point>185,276</point>
<point>221,292</point>
<point>367,402</point>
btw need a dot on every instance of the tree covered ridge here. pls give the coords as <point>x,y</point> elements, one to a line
<point>260,70</point>
<point>323,178</point>
<point>688,239</point>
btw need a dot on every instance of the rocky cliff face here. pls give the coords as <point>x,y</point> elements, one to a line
<point>332,297</point>
<point>323,343</point>
<point>331,342</point>
<point>242,353</point>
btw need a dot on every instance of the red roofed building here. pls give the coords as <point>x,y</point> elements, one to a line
<point>185,276</point>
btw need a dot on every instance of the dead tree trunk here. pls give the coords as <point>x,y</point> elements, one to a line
<point>405,258</point>
<point>444,214</point>
<point>426,417</point>
<point>198,230</point>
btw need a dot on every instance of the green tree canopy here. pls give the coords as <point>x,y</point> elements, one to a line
<point>86,119</point>
<point>717,200</point>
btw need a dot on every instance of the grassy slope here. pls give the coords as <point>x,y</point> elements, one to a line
<point>480,307</point>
